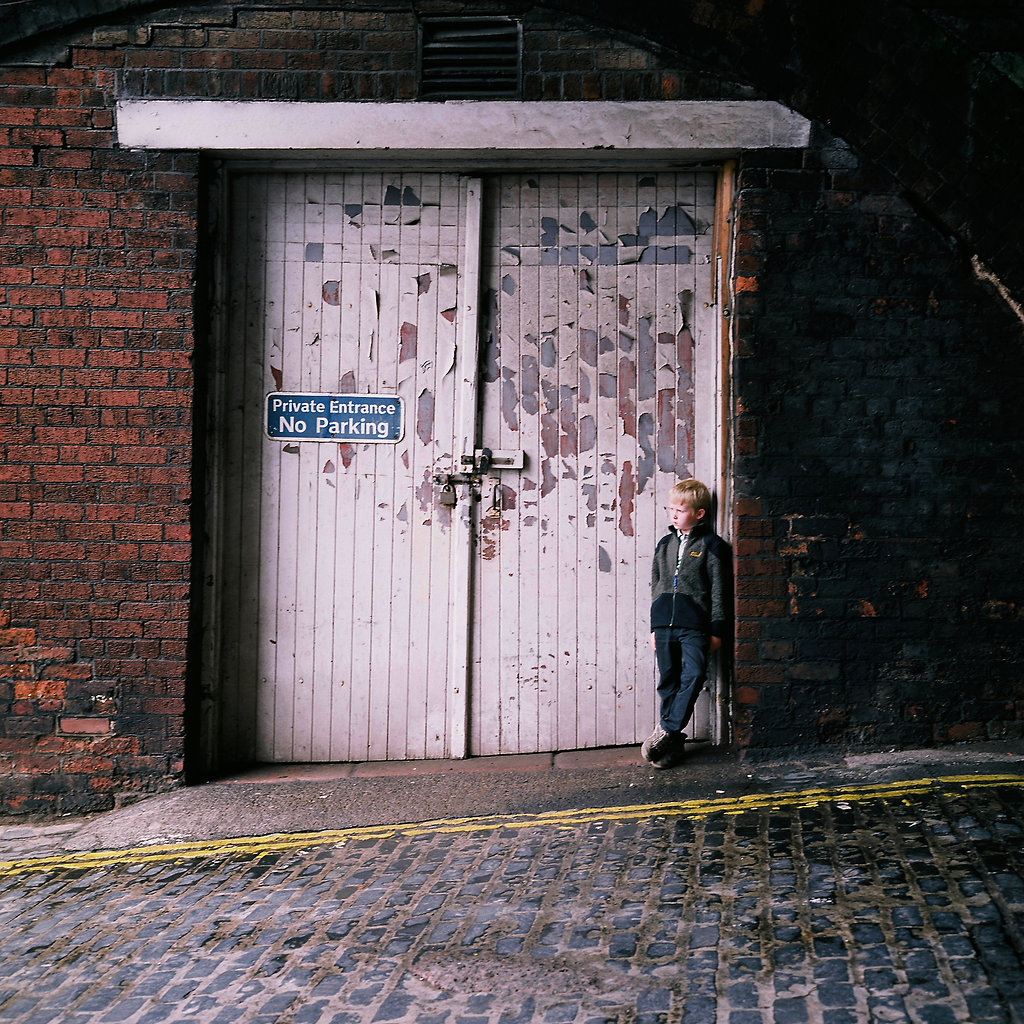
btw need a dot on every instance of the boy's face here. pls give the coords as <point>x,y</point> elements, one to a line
<point>682,516</point>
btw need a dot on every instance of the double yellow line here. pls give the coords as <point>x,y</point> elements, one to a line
<point>259,846</point>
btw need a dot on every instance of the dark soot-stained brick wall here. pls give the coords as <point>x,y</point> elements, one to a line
<point>877,471</point>
<point>876,375</point>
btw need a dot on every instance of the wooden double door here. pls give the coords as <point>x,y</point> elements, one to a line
<point>476,581</point>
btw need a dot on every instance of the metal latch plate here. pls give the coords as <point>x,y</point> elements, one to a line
<point>485,459</point>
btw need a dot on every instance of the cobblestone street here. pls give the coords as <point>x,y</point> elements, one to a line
<point>895,903</point>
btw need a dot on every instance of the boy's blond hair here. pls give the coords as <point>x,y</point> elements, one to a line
<point>693,493</point>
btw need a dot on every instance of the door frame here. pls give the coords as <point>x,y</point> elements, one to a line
<point>710,403</point>
<point>466,138</point>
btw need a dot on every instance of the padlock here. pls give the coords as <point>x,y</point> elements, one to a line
<point>448,498</point>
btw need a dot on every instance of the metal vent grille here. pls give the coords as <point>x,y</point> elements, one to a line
<point>470,58</point>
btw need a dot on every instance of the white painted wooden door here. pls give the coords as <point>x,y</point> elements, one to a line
<point>345,615</point>
<point>331,562</point>
<point>599,295</point>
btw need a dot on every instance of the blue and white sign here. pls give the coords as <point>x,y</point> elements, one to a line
<point>359,419</point>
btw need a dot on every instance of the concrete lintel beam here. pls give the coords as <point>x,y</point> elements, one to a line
<point>468,129</point>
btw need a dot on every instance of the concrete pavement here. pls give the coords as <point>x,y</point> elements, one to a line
<point>569,888</point>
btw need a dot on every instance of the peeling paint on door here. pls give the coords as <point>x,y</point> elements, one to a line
<point>333,562</point>
<point>589,347</point>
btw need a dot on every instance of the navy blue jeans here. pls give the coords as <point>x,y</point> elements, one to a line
<point>682,656</point>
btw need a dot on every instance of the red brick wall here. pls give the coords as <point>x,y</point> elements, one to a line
<point>97,261</point>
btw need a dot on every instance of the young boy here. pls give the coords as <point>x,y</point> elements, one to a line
<point>689,581</point>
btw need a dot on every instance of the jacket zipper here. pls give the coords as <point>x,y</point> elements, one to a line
<point>675,578</point>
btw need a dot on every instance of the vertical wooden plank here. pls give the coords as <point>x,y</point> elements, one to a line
<point>578,218</point>
<point>335,338</point>
<point>320,342</point>
<point>609,425</point>
<point>437,535</point>
<point>399,338</point>
<point>654,300</point>
<point>616,217</point>
<point>637,195</point>
<point>491,633</point>
<point>389,701</point>
<point>370,574</point>
<point>516,622</point>
<point>466,398</point>
<point>369,724</point>
<point>527,672</point>
<point>486,641</point>
<point>414,328</point>
<point>300,527</point>
<point>386,686</point>
<point>556,608</point>
<point>571,706</point>
<point>316,581</point>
